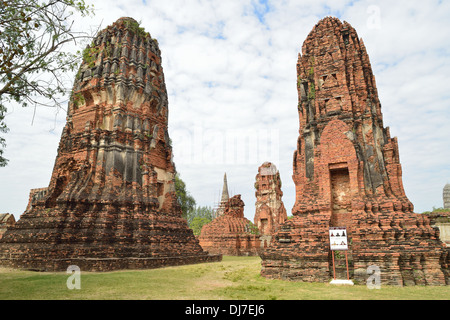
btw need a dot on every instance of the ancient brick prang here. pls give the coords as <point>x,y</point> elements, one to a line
<point>230,233</point>
<point>269,208</point>
<point>347,173</point>
<point>111,201</point>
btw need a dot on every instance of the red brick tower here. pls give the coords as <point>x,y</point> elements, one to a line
<point>269,208</point>
<point>111,201</point>
<point>347,173</point>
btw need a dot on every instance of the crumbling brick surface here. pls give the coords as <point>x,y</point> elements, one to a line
<point>7,220</point>
<point>111,201</point>
<point>230,233</point>
<point>347,173</point>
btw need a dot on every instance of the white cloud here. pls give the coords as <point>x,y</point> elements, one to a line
<point>225,70</point>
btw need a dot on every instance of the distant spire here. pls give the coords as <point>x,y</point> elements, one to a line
<point>225,195</point>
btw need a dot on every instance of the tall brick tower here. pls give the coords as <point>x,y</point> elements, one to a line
<point>111,201</point>
<point>269,208</point>
<point>347,173</point>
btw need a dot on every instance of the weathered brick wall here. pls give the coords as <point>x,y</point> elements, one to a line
<point>36,195</point>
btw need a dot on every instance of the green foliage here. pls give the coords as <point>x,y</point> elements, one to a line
<point>108,49</point>
<point>134,26</point>
<point>312,91</point>
<point>195,216</point>
<point>77,99</point>
<point>90,55</point>
<point>252,228</point>
<point>3,129</point>
<point>198,217</point>
<point>197,224</point>
<point>33,63</point>
<point>185,200</point>
<point>436,210</point>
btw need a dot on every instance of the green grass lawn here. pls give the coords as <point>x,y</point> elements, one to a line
<point>233,278</point>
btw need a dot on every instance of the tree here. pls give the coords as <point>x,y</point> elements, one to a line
<point>198,217</point>
<point>33,35</point>
<point>195,216</point>
<point>185,200</point>
<point>252,228</point>
<point>202,212</point>
<point>197,224</point>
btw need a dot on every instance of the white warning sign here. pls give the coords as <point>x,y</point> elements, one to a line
<point>338,239</point>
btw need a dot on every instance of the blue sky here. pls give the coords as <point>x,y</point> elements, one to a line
<point>230,71</point>
<point>260,9</point>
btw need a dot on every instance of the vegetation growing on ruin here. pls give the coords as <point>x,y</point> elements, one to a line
<point>252,228</point>
<point>90,55</point>
<point>77,99</point>
<point>312,91</point>
<point>134,26</point>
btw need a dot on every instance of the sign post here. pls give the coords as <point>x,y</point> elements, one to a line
<point>338,241</point>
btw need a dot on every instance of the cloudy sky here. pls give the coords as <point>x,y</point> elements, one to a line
<point>230,71</point>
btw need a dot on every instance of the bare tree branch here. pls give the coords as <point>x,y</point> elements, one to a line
<point>33,59</point>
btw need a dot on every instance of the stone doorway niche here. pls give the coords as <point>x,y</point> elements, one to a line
<point>340,197</point>
<point>264,226</point>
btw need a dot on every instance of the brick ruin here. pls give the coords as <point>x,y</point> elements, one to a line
<point>111,201</point>
<point>7,220</point>
<point>230,233</point>
<point>36,195</point>
<point>269,208</point>
<point>347,173</point>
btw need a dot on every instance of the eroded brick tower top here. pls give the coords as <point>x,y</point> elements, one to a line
<point>269,208</point>
<point>341,126</point>
<point>115,147</point>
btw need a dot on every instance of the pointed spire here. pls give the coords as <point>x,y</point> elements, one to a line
<point>225,195</point>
